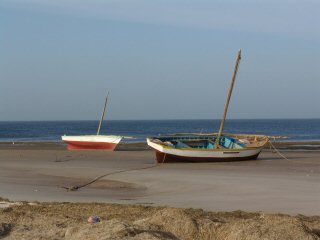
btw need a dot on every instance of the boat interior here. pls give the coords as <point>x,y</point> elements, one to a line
<point>209,142</point>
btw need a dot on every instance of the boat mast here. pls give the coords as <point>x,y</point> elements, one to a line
<point>102,116</point>
<point>228,99</point>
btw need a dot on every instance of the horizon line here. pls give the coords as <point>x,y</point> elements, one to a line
<point>172,119</point>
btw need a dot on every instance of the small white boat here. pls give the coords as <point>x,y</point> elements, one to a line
<point>93,142</point>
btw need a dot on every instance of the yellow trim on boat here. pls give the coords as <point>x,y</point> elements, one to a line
<point>212,150</point>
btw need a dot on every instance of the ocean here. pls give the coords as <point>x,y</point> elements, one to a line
<point>35,131</point>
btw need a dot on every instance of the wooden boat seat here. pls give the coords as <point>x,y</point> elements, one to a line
<point>211,144</point>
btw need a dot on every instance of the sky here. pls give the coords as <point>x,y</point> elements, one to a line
<point>168,59</point>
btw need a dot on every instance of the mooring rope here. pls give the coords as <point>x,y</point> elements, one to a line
<point>164,157</point>
<point>68,157</point>
<point>284,157</point>
<point>77,187</point>
<point>278,152</point>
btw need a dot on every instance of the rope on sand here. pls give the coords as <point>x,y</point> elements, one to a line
<point>77,187</point>
<point>278,152</point>
<point>67,158</point>
<point>281,155</point>
<point>284,157</point>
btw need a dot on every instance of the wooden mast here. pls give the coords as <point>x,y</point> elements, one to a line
<point>102,116</point>
<point>228,99</point>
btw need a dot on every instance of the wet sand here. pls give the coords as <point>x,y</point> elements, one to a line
<point>270,184</point>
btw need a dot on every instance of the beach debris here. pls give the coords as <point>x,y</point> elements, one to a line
<point>5,229</point>
<point>72,188</point>
<point>94,219</point>
<point>5,204</point>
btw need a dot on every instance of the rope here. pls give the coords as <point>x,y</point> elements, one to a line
<point>77,187</point>
<point>284,157</point>
<point>278,152</point>
<point>164,157</point>
<point>67,158</point>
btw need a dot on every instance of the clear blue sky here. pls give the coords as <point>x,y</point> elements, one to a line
<point>160,59</point>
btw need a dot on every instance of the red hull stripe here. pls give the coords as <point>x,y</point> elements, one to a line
<point>168,158</point>
<point>79,145</point>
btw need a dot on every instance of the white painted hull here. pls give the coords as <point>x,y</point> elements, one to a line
<point>169,154</point>
<point>92,142</point>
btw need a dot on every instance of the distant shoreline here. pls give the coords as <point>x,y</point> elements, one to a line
<point>172,119</point>
<point>59,145</point>
<point>302,130</point>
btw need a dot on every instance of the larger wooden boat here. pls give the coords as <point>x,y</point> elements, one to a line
<point>93,142</point>
<point>203,148</point>
<point>214,147</point>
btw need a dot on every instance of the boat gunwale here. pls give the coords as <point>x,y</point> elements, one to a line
<point>203,149</point>
<point>92,138</point>
<point>211,150</point>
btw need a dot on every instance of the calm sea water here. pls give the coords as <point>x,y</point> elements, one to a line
<point>295,129</point>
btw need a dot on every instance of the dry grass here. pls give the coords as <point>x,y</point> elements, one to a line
<point>69,221</point>
<point>4,199</point>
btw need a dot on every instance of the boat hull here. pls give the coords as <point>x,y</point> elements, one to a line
<point>104,143</point>
<point>162,157</point>
<point>78,145</point>
<point>169,154</point>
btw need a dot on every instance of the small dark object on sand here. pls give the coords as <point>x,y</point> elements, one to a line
<point>5,229</point>
<point>94,219</point>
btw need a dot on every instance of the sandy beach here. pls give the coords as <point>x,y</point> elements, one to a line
<point>271,184</point>
<point>271,197</point>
